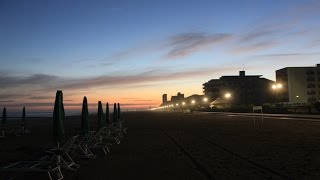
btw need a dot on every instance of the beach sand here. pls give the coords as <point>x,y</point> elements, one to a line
<point>169,145</point>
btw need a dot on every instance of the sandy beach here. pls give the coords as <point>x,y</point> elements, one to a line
<point>170,145</point>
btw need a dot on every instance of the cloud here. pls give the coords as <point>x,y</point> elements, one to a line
<point>47,83</point>
<point>137,99</point>
<point>254,47</point>
<point>6,101</point>
<point>257,34</point>
<point>6,96</point>
<point>35,79</point>
<point>40,97</point>
<point>186,44</point>
<point>289,54</point>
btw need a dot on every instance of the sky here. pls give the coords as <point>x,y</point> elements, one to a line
<point>133,51</point>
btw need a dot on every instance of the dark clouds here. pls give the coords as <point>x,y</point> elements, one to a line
<point>186,44</point>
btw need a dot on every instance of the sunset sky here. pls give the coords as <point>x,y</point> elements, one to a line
<point>133,51</point>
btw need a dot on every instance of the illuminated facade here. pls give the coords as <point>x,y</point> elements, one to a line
<point>240,89</point>
<point>300,84</point>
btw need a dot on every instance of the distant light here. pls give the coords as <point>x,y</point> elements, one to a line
<point>274,86</point>
<point>183,103</point>
<point>205,99</point>
<point>177,104</point>
<point>193,101</point>
<point>227,95</point>
<point>297,96</point>
<point>279,86</point>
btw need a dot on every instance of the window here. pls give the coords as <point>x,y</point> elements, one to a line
<point>310,72</point>
<point>311,99</point>
<point>310,79</point>
<point>311,86</point>
<point>311,92</point>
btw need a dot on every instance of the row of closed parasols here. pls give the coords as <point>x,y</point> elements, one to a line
<point>109,130</point>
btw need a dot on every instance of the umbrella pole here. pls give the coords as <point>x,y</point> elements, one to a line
<point>58,155</point>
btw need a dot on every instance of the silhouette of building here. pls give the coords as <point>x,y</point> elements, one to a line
<point>179,96</point>
<point>242,89</point>
<point>164,98</point>
<point>299,84</point>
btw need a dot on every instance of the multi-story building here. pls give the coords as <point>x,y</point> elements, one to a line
<point>300,84</point>
<point>177,97</point>
<point>242,89</point>
<point>164,98</point>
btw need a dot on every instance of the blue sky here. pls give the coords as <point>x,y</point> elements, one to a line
<point>133,51</point>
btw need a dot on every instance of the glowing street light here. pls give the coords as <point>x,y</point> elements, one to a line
<point>193,102</point>
<point>276,86</point>
<point>183,103</point>
<point>177,104</point>
<point>227,95</point>
<point>205,99</point>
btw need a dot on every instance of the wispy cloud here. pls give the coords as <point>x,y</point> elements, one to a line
<point>186,44</point>
<point>289,54</point>
<point>40,97</point>
<point>6,101</point>
<point>254,47</point>
<point>35,79</point>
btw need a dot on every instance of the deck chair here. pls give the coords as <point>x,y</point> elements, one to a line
<point>52,169</point>
<point>66,159</point>
<point>101,139</point>
<point>51,164</point>
<point>81,146</point>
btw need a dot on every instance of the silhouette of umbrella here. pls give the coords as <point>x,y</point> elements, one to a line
<point>58,119</point>
<point>4,120</point>
<point>101,123</point>
<point>115,118</point>
<point>119,115</point>
<point>107,114</point>
<point>23,120</point>
<point>85,117</point>
<point>4,117</point>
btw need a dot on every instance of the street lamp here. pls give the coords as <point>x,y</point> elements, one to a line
<point>193,102</point>
<point>183,103</point>
<point>227,95</point>
<point>177,104</point>
<point>276,87</point>
<point>205,99</point>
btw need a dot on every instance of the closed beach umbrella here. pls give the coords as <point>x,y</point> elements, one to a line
<point>23,121</point>
<point>4,117</point>
<point>58,118</point>
<point>119,115</point>
<point>115,114</point>
<point>107,114</point>
<point>100,116</point>
<point>85,117</point>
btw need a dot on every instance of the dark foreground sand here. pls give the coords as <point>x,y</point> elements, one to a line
<point>187,146</point>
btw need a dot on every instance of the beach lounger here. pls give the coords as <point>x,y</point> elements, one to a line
<point>81,145</point>
<point>52,169</point>
<point>64,154</point>
<point>51,164</point>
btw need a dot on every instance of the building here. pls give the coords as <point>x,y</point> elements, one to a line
<point>299,84</point>
<point>179,96</point>
<point>242,89</point>
<point>164,98</point>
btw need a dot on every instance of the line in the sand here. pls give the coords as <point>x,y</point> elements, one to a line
<point>201,169</point>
